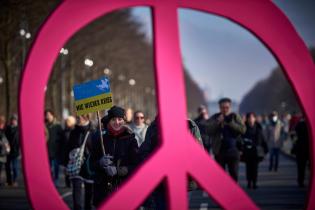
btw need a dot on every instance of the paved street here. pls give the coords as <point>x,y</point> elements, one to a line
<point>276,191</point>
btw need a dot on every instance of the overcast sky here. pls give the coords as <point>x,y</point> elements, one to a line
<point>225,59</point>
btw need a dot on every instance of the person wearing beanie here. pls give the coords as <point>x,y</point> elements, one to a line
<point>121,150</point>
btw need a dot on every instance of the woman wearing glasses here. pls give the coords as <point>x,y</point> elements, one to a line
<point>139,127</point>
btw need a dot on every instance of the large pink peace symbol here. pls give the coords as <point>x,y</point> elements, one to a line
<point>178,155</point>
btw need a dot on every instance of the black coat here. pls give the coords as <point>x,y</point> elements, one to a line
<point>12,134</point>
<point>54,140</point>
<point>76,139</point>
<point>150,142</point>
<point>255,134</point>
<point>64,145</point>
<point>302,143</point>
<point>124,150</point>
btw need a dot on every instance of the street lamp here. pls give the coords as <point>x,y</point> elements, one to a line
<point>24,35</point>
<point>132,82</point>
<point>22,32</point>
<point>147,90</point>
<point>88,62</point>
<point>63,52</point>
<point>107,71</point>
<point>28,35</point>
<point>121,77</point>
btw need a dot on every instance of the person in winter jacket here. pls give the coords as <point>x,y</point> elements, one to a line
<point>138,127</point>
<point>54,141</point>
<point>225,129</point>
<point>85,177</point>
<point>120,157</point>
<point>255,150</point>
<point>274,140</point>
<point>302,148</point>
<point>12,134</point>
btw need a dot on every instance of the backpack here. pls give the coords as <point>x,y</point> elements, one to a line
<point>194,129</point>
<point>76,159</point>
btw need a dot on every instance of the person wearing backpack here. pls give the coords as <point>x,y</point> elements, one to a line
<point>255,150</point>
<point>120,157</point>
<point>80,138</point>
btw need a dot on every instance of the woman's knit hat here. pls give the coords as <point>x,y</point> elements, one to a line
<point>115,111</point>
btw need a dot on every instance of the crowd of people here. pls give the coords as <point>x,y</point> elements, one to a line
<point>250,138</point>
<point>111,151</point>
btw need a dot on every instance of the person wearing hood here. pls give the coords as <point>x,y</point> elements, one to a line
<point>274,140</point>
<point>120,157</point>
<point>85,177</point>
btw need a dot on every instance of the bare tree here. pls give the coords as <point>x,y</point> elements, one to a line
<point>114,42</point>
<point>19,19</point>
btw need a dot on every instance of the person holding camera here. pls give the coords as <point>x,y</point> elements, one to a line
<point>225,129</point>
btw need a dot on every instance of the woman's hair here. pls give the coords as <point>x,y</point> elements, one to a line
<point>249,114</point>
<point>137,112</point>
<point>49,111</point>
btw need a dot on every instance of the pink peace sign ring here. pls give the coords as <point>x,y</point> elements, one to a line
<point>171,161</point>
